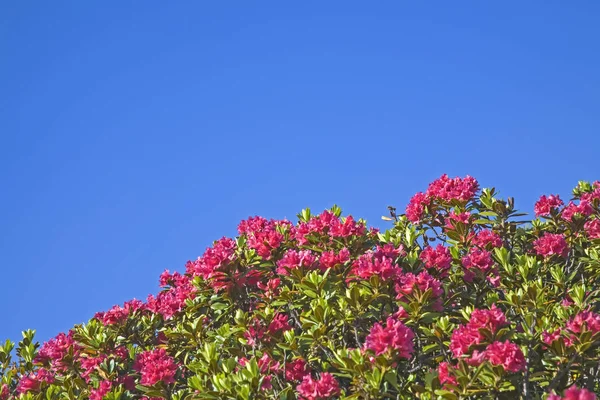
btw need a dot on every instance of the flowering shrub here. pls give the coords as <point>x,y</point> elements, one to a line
<point>457,300</point>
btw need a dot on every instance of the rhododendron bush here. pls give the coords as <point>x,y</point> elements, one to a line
<point>459,299</point>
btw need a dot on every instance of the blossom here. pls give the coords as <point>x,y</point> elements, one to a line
<point>214,259</point>
<point>584,208</point>
<point>293,259</point>
<point>328,224</point>
<point>33,381</point>
<point>330,259</point>
<point>448,189</point>
<point>103,388</point>
<point>374,263</point>
<point>270,288</point>
<point>408,283</point>
<point>506,354</point>
<point>574,393</point>
<point>324,388</point>
<point>551,243</point>
<point>585,320</point>
<point>395,337</point>
<point>461,218</point>
<point>296,370</point>
<point>468,335</point>
<point>438,257</point>
<point>54,350</point>
<point>545,205</point>
<point>416,207</point>
<point>478,259</point>
<point>155,366</point>
<point>487,238</point>
<point>592,228</point>
<point>444,374</point>
<point>279,324</point>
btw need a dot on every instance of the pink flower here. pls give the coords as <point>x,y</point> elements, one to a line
<point>374,263</point>
<point>155,366</point>
<point>545,205</point>
<point>585,320</point>
<point>592,228</point>
<point>54,350</point>
<point>270,288</point>
<point>487,237</point>
<point>507,354</point>
<point>324,388</point>
<point>468,335</point>
<point>4,392</point>
<point>214,258</point>
<point>461,218</point>
<point>279,324</point>
<point>478,259</point>
<point>551,243</point>
<point>330,259</point>
<point>296,370</point>
<point>395,337</point>
<point>408,283</point>
<point>103,388</point>
<point>438,257</point>
<point>574,393</point>
<point>448,189</point>
<point>416,207</point>
<point>33,381</point>
<point>293,259</point>
<point>584,208</point>
<point>444,374</point>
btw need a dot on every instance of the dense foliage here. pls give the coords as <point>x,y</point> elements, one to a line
<point>458,300</point>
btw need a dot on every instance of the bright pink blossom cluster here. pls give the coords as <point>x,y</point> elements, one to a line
<point>469,341</point>
<point>551,244</point>
<point>574,393</point>
<point>546,204</point>
<point>395,338</point>
<point>155,366</point>
<point>33,382</point>
<point>411,285</point>
<point>380,262</point>
<point>327,223</point>
<point>443,189</point>
<point>487,239</point>
<point>436,258</point>
<point>324,388</point>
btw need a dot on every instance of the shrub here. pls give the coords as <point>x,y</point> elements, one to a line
<point>458,300</point>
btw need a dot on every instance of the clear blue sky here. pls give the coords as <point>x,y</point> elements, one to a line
<point>135,133</point>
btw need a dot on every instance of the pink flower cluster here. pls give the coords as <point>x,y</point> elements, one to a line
<point>592,229</point>
<point>584,208</point>
<point>395,338</point>
<point>171,301</point>
<point>551,244</point>
<point>380,262</point>
<point>118,314</point>
<point>437,258</point>
<point>415,285</point>
<point>487,239</point>
<point>54,350</point>
<point>294,259</point>
<point>324,388</point>
<point>574,393</point>
<point>546,204</point>
<point>479,262</point>
<point>214,259</point>
<point>103,388</point>
<point>585,321</point>
<point>468,341</point>
<point>443,189</point>
<point>155,366</point>
<point>262,235</point>
<point>33,382</point>
<point>327,223</point>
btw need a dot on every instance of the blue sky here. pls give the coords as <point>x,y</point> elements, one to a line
<point>136,133</point>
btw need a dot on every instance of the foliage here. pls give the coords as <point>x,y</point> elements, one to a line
<point>458,300</point>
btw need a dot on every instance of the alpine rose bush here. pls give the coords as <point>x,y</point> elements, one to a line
<point>458,299</point>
